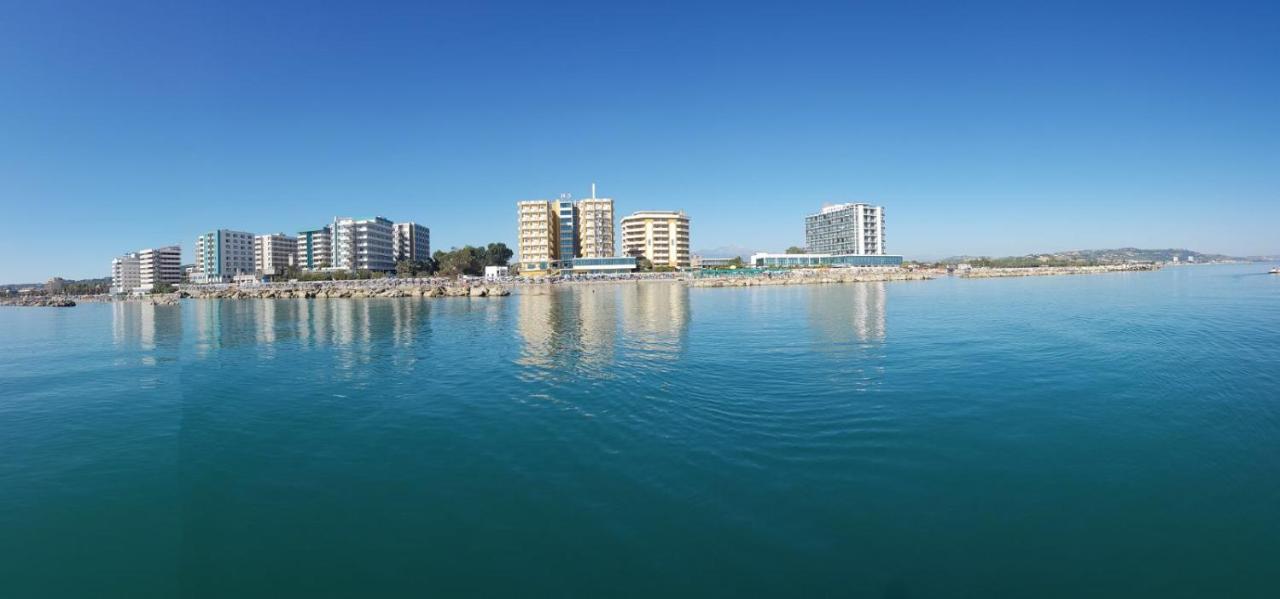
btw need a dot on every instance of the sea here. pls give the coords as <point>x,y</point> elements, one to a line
<point>1111,435</point>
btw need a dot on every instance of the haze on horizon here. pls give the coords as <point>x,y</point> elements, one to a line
<point>983,128</point>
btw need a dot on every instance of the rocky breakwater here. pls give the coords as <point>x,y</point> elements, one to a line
<point>985,273</point>
<point>39,301</point>
<point>820,276</point>
<point>343,291</point>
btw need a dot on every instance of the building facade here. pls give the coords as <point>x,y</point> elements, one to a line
<point>595,228</point>
<point>364,244</point>
<point>660,236</point>
<point>159,266</point>
<point>846,229</point>
<point>539,241</point>
<point>125,273</point>
<point>412,242</point>
<point>275,253</point>
<point>566,232</point>
<point>223,254</point>
<point>315,249</point>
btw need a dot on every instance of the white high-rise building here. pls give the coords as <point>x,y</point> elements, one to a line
<point>364,244</point>
<point>845,229</point>
<point>272,254</point>
<point>412,242</point>
<point>223,254</point>
<point>661,236</point>
<point>125,273</point>
<point>158,266</point>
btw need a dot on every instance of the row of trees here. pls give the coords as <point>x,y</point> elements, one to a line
<point>466,260</point>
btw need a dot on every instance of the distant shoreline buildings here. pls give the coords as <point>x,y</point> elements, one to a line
<point>225,255</point>
<point>559,236</point>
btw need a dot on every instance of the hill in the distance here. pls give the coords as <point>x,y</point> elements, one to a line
<point>1111,256</point>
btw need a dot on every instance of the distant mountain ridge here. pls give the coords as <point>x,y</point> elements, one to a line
<point>1113,256</point>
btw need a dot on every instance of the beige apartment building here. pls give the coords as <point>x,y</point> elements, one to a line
<point>273,254</point>
<point>595,228</point>
<point>539,229</point>
<point>662,236</point>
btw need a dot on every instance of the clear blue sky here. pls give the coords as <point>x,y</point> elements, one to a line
<point>982,128</point>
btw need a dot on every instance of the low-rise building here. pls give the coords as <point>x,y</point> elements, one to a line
<point>604,265</point>
<point>766,260</point>
<point>715,262</point>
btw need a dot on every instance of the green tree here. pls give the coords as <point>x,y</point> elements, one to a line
<point>737,262</point>
<point>404,268</point>
<point>795,249</point>
<point>497,254</point>
<point>643,264</point>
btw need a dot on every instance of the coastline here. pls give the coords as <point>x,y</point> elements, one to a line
<point>478,288</point>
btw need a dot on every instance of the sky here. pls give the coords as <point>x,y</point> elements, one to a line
<point>982,128</point>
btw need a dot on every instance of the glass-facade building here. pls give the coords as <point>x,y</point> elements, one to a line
<point>568,232</point>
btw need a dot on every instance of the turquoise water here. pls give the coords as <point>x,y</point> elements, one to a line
<point>1114,435</point>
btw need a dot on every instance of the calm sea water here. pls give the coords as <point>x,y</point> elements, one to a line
<point>1113,435</point>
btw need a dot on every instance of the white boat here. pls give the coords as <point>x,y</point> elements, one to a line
<point>1275,271</point>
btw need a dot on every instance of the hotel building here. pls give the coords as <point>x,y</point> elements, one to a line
<point>660,236</point>
<point>125,273</point>
<point>412,242</point>
<point>364,244</point>
<point>841,235</point>
<point>272,254</point>
<point>223,254</point>
<point>158,266</point>
<point>846,229</point>
<point>539,241</point>
<point>595,227</point>
<point>315,249</point>
<point>567,236</point>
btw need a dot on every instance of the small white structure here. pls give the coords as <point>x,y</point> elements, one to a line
<point>496,272</point>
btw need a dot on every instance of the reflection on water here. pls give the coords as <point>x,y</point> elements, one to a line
<point>848,313</point>
<point>578,326</point>
<point>156,330</point>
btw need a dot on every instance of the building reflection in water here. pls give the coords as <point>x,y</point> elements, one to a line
<point>656,318</point>
<point>576,328</point>
<point>155,330</point>
<point>358,332</point>
<point>852,313</point>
